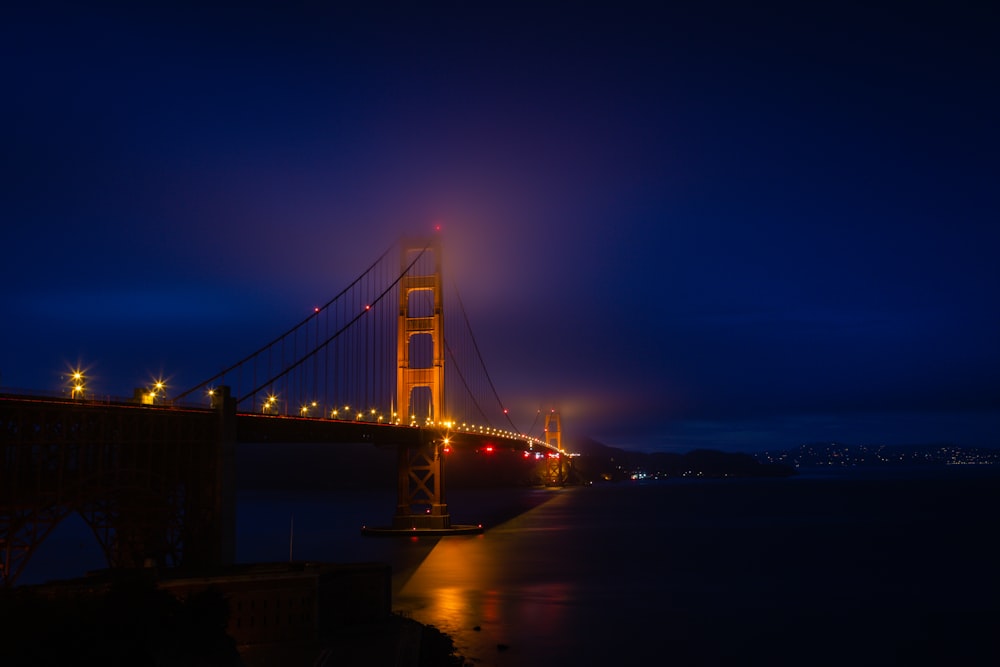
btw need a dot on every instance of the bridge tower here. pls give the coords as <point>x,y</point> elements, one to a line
<point>417,322</point>
<point>555,473</point>
<point>420,357</point>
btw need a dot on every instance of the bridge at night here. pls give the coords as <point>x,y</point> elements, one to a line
<point>154,475</point>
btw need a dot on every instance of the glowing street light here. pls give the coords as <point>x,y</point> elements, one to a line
<point>77,383</point>
<point>149,397</point>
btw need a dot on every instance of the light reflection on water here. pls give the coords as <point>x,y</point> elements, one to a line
<point>637,574</point>
<point>505,582</point>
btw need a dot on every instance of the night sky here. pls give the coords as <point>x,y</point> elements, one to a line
<point>727,225</point>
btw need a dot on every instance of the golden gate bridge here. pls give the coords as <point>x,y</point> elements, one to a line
<point>154,476</point>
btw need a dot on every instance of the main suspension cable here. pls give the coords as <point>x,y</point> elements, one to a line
<point>486,371</point>
<point>344,328</point>
<point>295,328</point>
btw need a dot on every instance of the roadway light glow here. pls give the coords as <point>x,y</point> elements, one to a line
<point>77,387</point>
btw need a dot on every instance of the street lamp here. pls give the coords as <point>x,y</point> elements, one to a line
<point>78,386</point>
<point>154,393</point>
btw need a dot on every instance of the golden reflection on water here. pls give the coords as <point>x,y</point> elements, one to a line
<point>493,589</point>
<point>452,582</point>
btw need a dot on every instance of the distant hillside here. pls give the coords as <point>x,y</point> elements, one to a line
<point>598,461</point>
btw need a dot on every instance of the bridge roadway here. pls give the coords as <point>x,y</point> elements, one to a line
<point>251,427</point>
<point>255,427</point>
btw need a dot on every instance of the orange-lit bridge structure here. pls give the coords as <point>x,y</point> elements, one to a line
<point>154,477</point>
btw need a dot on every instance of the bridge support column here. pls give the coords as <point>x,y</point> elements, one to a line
<point>420,502</point>
<point>225,508</point>
<point>420,505</point>
<point>555,469</point>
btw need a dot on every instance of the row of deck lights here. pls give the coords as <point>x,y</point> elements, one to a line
<point>271,405</point>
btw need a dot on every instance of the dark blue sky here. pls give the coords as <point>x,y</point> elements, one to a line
<point>717,224</point>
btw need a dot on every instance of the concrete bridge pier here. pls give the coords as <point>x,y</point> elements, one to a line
<point>420,501</point>
<point>224,549</point>
<point>420,492</point>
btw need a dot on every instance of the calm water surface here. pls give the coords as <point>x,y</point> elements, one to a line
<point>800,572</point>
<point>835,569</point>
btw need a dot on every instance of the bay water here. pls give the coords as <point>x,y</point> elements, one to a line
<point>858,568</point>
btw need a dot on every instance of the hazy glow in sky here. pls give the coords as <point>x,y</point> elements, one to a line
<point>708,225</point>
